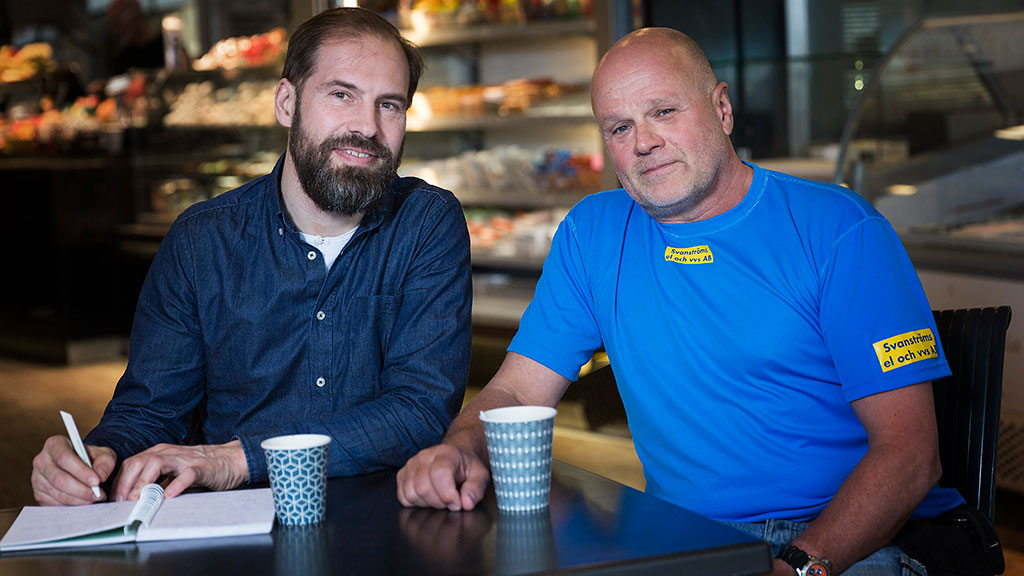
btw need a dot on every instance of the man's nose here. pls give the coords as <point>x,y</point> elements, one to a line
<point>647,139</point>
<point>364,120</point>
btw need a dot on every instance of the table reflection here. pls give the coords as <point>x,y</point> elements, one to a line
<point>446,540</point>
<point>526,543</point>
<point>301,550</point>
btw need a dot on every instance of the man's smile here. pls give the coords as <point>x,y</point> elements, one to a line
<point>356,155</point>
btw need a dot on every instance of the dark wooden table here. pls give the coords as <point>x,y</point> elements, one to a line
<point>593,526</point>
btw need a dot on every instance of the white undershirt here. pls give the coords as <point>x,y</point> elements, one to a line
<point>329,246</point>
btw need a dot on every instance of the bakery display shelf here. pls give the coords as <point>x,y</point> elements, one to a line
<point>178,158</point>
<point>240,74</point>
<point>469,122</point>
<point>454,35</point>
<point>57,162</point>
<point>218,128</point>
<point>518,263</point>
<point>515,199</point>
<point>32,85</point>
<point>498,311</point>
<point>154,229</point>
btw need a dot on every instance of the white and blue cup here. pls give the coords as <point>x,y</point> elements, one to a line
<point>297,466</point>
<point>519,446</point>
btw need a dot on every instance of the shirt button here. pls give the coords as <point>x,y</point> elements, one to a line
<point>320,315</point>
<point>320,382</point>
<point>311,255</point>
<point>280,231</point>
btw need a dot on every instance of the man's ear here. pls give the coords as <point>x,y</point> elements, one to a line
<point>723,107</point>
<point>285,100</point>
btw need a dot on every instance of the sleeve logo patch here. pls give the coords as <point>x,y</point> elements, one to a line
<point>905,349</point>
<point>691,255</point>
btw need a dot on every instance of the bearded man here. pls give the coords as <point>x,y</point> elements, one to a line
<point>329,296</point>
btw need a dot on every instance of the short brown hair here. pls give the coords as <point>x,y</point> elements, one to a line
<point>339,24</point>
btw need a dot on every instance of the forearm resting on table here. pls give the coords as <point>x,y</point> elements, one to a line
<point>454,474</point>
<point>519,381</point>
<point>467,432</point>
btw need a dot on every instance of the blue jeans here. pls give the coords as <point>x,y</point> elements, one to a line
<point>889,561</point>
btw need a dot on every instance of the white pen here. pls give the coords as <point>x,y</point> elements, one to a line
<point>76,441</point>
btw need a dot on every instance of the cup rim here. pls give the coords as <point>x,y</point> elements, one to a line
<point>518,414</point>
<point>295,442</point>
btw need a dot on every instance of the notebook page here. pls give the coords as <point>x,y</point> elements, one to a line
<point>209,514</point>
<point>36,524</point>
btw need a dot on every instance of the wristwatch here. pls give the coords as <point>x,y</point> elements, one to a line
<point>804,563</point>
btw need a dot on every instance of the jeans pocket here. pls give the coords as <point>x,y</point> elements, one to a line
<point>911,567</point>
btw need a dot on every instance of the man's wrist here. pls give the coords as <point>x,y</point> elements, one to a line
<point>243,463</point>
<point>803,563</point>
<point>467,438</point>
<point>235,455</point>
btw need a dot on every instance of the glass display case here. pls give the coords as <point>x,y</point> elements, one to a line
<point>936,143</point>
<point>502,118</point>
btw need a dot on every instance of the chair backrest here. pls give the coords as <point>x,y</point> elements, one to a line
<point>967,403</point>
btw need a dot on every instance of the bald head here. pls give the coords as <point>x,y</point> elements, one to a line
<point>666,42</point>
<point>665,121</point>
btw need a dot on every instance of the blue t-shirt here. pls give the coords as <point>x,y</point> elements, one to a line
<point>739,342</point>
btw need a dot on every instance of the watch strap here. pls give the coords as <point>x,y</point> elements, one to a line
<point>793,556</point>
<point>804,563</point>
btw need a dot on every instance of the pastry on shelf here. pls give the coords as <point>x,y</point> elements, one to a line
<point>17,65</point>
<point>245,52</point>
<point>203,104</point>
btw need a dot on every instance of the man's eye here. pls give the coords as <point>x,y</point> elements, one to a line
<point>666,111</point>
<point>619,129</point>
<point>341,95</point>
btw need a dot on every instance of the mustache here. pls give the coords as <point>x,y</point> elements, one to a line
<point>371,145</point>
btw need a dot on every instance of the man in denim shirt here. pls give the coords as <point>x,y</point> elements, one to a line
<point>329,296</point>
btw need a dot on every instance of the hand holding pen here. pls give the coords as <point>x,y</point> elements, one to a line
<point>61,476</point>
<point>76,443</point>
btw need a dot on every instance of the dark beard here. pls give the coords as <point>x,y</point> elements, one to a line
<point>347,190</point>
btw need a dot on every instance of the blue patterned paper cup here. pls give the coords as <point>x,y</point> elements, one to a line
<point>519,446</point>
<point>297,466</point>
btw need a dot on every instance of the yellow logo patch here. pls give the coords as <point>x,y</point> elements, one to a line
<point>691,255</point>
<point>905,349</point>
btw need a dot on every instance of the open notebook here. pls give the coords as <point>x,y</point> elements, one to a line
<point>197,515</point>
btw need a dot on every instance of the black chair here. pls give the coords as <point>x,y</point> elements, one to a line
<point>967,403</point>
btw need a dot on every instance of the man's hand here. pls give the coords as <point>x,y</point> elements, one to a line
<point>443,476</point>
<point>217,467</point>
<point>60,477</point>
<point>452,474</point>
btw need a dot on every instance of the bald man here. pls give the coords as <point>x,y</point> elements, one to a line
<point>744,312</point>
<point>139,43</point>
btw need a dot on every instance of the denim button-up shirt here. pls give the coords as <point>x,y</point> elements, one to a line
<point>240,322</point>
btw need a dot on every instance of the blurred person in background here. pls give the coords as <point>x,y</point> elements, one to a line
<point>138,43</point>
